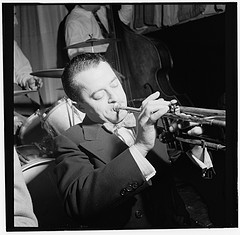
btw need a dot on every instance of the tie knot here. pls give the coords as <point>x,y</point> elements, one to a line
<point>128,122</point>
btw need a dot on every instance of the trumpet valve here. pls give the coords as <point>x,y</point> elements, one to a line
<point>174,108</point>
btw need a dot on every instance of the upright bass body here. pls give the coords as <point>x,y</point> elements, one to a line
<point>149,62</point>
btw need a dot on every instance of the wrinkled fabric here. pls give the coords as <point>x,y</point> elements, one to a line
<point>147,16</point>
<point>188,11</point>
<point>23,208</point>
<point>22,67</point>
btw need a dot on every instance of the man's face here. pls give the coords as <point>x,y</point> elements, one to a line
<point>101,89</point>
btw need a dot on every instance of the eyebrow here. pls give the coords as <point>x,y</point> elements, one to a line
<point>102,88</point>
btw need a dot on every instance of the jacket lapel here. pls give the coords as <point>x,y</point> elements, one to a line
<point>104,145</point>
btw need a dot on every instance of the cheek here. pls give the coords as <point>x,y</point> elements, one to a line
<point>99,107</point>
<point>121,94</point>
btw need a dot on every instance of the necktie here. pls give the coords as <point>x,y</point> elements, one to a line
<point>103,29</point>
<point>128,122</point>
<point>205,163</point>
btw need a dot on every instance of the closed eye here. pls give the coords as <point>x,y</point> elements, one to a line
<point>98,95</point>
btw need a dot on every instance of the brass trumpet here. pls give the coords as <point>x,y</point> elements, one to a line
<point>200,116</point>
<point>190,114</point>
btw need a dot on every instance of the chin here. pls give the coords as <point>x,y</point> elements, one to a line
<point>121,115</point>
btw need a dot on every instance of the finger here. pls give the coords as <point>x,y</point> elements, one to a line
<point>197,130</point>
<point>33,87</point>
<point>154,106</point>
<point>31,83</point>
<point>153,96</point>
<point>153,110</point>
<point>159,112</point>
<point>173,127</point>
<point>185,124</point>
<point>193,124</point>
<point>27,86</point>
<point>38,82</point>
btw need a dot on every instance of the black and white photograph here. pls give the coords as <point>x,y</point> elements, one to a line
<point>120,117</point>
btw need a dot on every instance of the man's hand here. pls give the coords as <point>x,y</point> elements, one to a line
<point>152,109</point>
<point>34,83</point>
<point>191,127</point>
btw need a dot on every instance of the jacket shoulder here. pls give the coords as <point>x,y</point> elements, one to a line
<point>75,133</point>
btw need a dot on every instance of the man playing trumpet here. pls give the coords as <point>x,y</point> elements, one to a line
<point>111,170</point>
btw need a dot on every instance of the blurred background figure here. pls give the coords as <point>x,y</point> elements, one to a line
<point>125,13</point>
<point>24,80</point>
<point>83,23</point>
<point>23,208</point>
<point>22,68</point>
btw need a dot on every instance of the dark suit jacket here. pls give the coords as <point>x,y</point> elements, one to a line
<point>102,186</point>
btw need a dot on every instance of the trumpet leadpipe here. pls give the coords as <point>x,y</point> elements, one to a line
<point>188,116</point>
<point>118,107</point>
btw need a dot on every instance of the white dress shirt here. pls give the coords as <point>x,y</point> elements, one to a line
<point>22,67</point>
<point>126,13</point>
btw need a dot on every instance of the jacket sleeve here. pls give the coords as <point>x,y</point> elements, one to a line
<point>89,189</point>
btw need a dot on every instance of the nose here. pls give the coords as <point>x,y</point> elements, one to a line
<point>112,97</point>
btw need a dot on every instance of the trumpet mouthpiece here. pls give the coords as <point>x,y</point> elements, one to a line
<point>116,107</point>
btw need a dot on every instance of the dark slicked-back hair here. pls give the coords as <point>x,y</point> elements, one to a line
<point>78,64</point>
